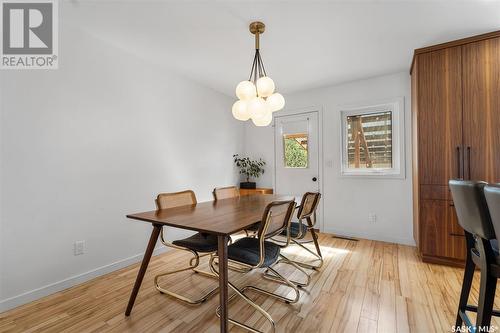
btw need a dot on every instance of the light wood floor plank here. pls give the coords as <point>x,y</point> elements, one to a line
<point>363,286</point>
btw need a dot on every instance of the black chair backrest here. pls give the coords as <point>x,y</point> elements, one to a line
<point>471,207</point>
<point>276,218</point>
<point>492,194</point>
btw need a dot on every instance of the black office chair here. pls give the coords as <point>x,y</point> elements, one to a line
<point>482,250</point>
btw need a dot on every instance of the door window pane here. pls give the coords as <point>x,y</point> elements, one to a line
<point>369,140</point>
<point>295,148</point>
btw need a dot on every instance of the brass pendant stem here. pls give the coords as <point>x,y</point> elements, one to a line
<point>257,28</point>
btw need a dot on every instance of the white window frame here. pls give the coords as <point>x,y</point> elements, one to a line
<point>396,106</point>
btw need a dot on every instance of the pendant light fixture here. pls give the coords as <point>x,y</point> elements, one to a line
<point>257,99</point>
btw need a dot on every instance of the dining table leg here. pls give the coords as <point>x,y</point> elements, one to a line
<point>144,266</point>
<point>223,279</point>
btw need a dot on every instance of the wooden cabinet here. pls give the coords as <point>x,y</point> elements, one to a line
<point>456,134</point>
<point>433,231</point>
<point>442,236</point>
<point>440,115</point>
<point>481,103</point>
<point>253,191</point>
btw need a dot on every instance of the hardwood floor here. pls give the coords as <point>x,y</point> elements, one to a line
<point>364,286</point>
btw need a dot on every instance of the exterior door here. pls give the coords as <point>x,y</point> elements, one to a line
<point>297,154</point>
<point>481,81</point>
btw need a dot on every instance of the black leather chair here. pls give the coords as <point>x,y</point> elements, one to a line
<point>482,251</point>
<point>492,194</point>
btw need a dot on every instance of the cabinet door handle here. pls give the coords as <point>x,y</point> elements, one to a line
<point>459,164</point>
<point>468,162</point>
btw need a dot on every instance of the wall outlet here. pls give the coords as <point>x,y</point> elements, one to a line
<point>79,248</point>
<point>372,218</point>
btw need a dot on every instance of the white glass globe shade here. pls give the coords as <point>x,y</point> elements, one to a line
<point>257,107</point>
<point>245,90</point>
<point>265,86</point>
<point>275,102</point>
<point>240,110</point>
<point>265,120</point>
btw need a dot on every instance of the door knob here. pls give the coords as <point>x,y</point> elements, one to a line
<point>314,179</point>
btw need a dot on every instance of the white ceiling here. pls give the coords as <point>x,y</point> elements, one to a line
<point>307,44</point>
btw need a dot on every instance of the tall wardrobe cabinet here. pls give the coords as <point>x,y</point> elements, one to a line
<point>456,135</point>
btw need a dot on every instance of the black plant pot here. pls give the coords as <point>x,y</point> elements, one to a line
<point>248,185</point>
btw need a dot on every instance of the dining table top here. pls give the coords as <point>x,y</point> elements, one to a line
<point>219,217</point>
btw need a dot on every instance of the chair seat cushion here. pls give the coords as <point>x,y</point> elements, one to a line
<point>247,250</point>
<point>295,230</point>
<point>199,242</point>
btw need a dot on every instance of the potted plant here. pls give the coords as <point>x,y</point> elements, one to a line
<point>249,168</point>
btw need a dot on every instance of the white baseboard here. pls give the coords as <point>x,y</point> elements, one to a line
<point>29,296</point>
<point>379,237</point>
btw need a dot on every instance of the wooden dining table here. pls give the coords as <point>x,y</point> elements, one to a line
<point>221,218</point>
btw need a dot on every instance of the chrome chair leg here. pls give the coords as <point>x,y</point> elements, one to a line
<point>269,274</point>
<point>317,254</point>
<point>279,278</point>
<point>246,299</point>
<point>199,271</point>
<point>299,264</point>
<point>193,264</point>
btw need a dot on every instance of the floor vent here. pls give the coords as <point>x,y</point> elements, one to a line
<point>346,238</point>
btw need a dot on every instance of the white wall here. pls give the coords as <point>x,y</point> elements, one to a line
<point>348,201</point>
<point>90,142</point>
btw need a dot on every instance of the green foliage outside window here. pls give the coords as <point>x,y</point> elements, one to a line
<point>295,151</point>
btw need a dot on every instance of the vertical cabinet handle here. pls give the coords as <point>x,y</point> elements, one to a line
<point>468,162</point>
<point>459,164</point>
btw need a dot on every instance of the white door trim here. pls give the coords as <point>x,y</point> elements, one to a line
<point>295,112</point>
